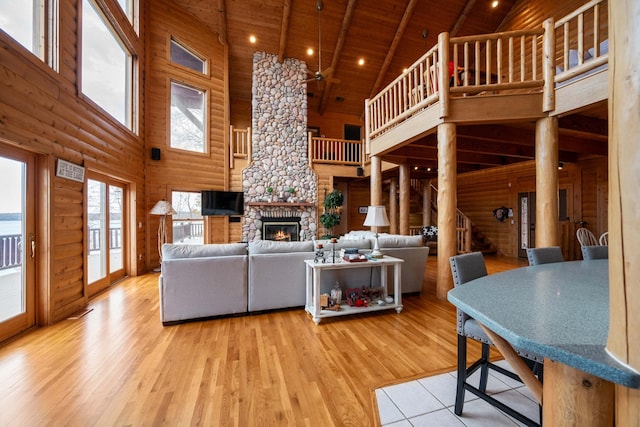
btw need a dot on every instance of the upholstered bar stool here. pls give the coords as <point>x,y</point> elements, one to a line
<point>465,268</point>
<point>595,252</point>
<point>544,255</point>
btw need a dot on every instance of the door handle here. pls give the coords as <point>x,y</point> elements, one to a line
<point>32,237</point>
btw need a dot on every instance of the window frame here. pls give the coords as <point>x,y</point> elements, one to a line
<point>205,117</point>
<point>125,34</point>
<point>187,48</point>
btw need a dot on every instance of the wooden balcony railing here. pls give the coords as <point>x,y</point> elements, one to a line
<point>581,40</point>
<point>487,63</point>
<point>531,60</point>
<point>335,151</point>
<point>321,150</point>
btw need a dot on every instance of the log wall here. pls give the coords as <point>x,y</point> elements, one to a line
<point>481,192</point>
<point>43,112</point>
<point>180,170</point>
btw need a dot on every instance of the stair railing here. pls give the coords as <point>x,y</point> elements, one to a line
<point>463,227</point>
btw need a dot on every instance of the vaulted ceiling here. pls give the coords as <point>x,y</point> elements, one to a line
<point>388,35</point>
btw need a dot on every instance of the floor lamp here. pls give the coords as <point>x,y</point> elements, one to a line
<point>162,208</point>
<point>376,217</point>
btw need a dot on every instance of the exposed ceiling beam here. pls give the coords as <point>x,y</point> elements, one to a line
<point>461,18</point>
<point>222,14</point>
<point>402,26</point>
<point>344,29</point>
<point>284,29</point>
<point>584,124</point>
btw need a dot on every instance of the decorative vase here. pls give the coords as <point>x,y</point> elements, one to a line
<point>336,294</point>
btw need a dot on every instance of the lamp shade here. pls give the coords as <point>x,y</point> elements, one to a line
<point>376,217</point>
<point>163,208</point>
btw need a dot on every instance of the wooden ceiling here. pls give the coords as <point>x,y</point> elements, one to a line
<point>389,35</point>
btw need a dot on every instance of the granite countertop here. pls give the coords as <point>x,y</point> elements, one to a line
<point>559,311</point>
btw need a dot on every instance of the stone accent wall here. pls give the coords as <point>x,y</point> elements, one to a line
<point>280,157</point>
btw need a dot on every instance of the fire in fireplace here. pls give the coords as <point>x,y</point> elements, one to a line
<point>281,229</point>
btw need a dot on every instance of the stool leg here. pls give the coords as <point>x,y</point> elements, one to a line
<point>484,370</point>
<point>462,373</point>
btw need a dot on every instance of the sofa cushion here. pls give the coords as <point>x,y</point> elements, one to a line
<point>343,243</point>
<point>272,246</point>
<point>398,241</point>
<point>175,251</point>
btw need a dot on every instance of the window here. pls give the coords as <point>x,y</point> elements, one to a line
<point>24,21</point>
<point>128,8</point>
<point>187,118</point>
<point>107,66</point>
<point>183,56</point>
<point>187,222</point>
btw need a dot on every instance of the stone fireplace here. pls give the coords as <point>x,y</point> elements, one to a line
<point>279,155</point>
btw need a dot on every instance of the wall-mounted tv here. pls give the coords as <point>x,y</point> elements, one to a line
<point>222,202</point>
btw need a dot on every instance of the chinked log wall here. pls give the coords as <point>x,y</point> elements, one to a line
<point>42,113</point>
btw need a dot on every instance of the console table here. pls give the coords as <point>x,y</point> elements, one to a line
<point>314,274</point>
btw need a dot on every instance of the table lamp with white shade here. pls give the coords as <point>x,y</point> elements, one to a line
<point>376,217</point>
<point>162,208</point>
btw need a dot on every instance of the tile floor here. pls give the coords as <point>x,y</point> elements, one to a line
<point>429,402</point>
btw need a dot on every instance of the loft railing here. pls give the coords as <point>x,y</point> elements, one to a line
<point>335,151</point>
<point>321,150</point>
<point>240,144</point>
<point>487,63</point>
<point>581,40</point>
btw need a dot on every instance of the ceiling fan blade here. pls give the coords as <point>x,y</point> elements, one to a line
<point>333,80</point>
<point>327,72</point>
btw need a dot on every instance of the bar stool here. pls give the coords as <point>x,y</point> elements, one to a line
<point>465,268</point>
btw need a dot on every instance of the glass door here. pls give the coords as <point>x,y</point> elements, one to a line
<point>17,242</point>
<point>106,234</point>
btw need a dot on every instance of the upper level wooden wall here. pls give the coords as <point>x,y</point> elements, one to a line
<point>180,170</point>
<point>43,112</point>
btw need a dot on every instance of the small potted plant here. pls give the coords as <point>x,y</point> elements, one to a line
<point>291,191</point>
<point>269,192</point>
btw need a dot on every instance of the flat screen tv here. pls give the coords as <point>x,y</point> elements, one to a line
<point>222,202</point>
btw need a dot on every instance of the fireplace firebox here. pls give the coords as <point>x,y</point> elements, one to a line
<point>281,229</point>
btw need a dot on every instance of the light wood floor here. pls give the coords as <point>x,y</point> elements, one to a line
<point>117,365</point>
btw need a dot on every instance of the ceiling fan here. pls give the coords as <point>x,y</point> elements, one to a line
<point>326,74</point>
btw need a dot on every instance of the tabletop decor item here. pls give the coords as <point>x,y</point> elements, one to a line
<point>376,217</point>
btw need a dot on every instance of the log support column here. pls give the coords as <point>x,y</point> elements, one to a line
<point>405,199</point>
<point>547,182</point>
<point>426,202</point>
<point>376,181</point>
<point>447,202</point>
<point>624,199</point>
<point>393,206</point>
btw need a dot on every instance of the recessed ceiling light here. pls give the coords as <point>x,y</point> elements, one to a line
<point>494,4</point>
<point>404,70</point>
<point>361,61</point>
<point>252,38</point>
<point>309,52</point>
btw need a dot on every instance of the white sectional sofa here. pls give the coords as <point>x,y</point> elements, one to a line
<point>202,281</point>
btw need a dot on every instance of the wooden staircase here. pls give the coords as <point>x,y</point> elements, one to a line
<point>469,237</point>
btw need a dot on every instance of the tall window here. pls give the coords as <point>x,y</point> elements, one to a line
<point>24,21</point>
<point>187,222</point>
<point>187,118</point>
<point>128,7</point>
<point>107,66</point>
